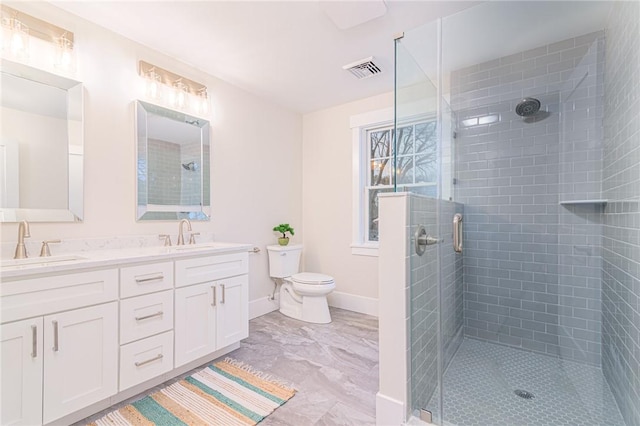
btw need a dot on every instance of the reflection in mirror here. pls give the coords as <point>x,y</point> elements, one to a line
<point>41,146</point>
<point>173,164</point>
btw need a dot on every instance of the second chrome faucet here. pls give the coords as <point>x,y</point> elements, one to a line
<point>180,231</point>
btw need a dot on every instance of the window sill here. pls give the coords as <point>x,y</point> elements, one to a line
<point>365,249</point>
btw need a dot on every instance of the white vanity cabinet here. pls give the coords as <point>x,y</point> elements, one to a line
<point>232,323</point>
<point>146,322</point>
<point>211,304</point>
<point>80,359</point>
<point>21,372</point>
<point>195,322</point>
<point>76,340</point>
<point>58,362</point>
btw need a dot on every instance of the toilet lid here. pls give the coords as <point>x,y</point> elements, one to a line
<point>311,278</point>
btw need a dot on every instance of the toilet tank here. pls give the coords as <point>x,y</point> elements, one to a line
<point>284,261</point>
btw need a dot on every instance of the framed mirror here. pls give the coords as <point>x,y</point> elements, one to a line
<point>41,146</point>
<point>172,165</point>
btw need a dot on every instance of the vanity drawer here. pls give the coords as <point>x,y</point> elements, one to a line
<point>41,296</point>
<point>145,359</point>
<point>143,279</point>
<point>210,268</point>
<point>146,315</point>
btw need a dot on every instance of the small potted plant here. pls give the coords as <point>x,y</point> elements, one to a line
<point>283,228</point>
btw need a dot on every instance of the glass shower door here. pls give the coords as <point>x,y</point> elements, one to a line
<point>418,169</point>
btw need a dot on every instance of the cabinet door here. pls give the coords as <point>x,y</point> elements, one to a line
<point>195,329</point>
<point>233,310</point>
<point>21,372</point>
<point>80,359</point>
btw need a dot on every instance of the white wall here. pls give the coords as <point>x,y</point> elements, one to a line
<point>42,158</point>
<point>256,151</point>
<point>326,200</point>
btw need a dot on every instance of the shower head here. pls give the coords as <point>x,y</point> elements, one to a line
<point>527,107</point>
<point>191,166</point>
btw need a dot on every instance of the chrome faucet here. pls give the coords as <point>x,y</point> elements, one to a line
<point>180,234</point>
<point>23,232</point>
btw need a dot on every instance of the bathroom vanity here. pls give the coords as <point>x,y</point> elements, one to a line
<point>81,333</point>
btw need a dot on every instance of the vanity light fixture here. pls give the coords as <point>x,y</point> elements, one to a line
<point>170,89</point>
<point>23,36</point>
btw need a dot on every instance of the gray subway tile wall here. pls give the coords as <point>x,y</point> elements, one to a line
<point>164,172</point>
<point>191,180</point>
<point>174,184</point>
<point>621,233</point>
<point>530,274</point>
<point>424,296</point>
<point>424,304</point>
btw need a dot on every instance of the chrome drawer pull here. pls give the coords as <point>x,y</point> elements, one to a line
<point>55,336</point>
<point>215,298</point>
<point>223,291</point>
<point>34,341</point>
<point>157,314</point>
<point>140,364</point>
<point>146,280</point>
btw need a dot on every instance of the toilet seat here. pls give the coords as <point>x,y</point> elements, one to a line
<point>311,278</point>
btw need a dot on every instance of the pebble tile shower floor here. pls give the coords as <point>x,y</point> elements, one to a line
<point>480,382</point>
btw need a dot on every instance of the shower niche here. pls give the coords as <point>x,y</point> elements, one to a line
<point>173,165</point>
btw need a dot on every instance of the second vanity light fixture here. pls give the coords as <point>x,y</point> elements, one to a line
<point>172,90</point>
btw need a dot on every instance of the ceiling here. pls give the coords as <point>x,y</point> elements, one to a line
<point>289,52</point>
<point>292,52</point>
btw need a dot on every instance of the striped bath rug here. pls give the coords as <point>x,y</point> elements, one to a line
<point>226,393</point>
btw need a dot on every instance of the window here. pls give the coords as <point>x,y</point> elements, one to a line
<point>416,169</point>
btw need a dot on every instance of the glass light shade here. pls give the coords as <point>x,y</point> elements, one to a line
<point>153,86</point>
<point>64,58</point>
<point>205,104</point>
<point>18,40</point>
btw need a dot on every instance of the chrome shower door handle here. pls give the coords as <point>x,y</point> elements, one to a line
<point>457,233</point>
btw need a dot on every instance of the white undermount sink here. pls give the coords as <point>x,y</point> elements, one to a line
<point>32,262</point>
<point>199,246</point>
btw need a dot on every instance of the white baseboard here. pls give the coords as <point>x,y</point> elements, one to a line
<point>389,411</point>
<point>262,306</point>
<point>353,302</point>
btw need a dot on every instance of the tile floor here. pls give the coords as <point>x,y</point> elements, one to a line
<point>333,366</point>
<point>480,382</point>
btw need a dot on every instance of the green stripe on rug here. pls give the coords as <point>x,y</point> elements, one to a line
<point>156,413</point>
<point>248,385</point>
<point>225,400</point>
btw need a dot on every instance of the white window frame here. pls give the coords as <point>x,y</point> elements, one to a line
<point>360,124</point>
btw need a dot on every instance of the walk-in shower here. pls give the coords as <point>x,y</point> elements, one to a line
<point>536,320</point>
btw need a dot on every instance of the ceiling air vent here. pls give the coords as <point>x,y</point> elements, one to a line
<point>363,68</point>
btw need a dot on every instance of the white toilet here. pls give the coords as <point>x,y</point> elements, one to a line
<point>303,295</point>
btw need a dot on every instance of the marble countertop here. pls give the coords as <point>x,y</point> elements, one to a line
<point>76,262</point>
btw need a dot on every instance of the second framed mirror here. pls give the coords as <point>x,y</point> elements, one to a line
<point>173,165</point>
